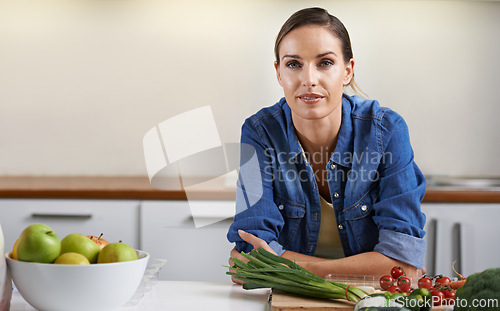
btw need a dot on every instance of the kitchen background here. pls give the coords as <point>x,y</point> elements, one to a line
<point>83,81</point>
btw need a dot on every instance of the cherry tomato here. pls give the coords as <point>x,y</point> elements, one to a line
<point>386,282</point>
<point>442,280</point>
<point>449,294</point>
<point>396,272</point>
<point>425,282</point>
<point>404,283</point>
<point>394,289</point>
<point>437,297</point>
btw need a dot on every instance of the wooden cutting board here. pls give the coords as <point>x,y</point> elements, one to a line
<point>281,301</point>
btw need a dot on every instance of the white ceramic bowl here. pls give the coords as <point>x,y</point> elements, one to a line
<point>103,287</point>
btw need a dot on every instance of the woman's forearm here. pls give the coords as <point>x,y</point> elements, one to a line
<point>370,263</point>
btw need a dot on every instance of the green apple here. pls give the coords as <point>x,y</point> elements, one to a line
<point>116,252</point>
<point>72,259</point>
<point>78,243</point>
<point>38,243</point>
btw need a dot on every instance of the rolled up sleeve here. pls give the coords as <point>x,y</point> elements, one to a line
<point>401,246</point>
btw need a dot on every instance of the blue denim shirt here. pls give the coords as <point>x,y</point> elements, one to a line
<point>375,186</point>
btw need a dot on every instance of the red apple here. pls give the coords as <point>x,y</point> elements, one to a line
<point>98,240</point>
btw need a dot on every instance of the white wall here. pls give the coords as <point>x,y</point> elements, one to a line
<point>81,82</point>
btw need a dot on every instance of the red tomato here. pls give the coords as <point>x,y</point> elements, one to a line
<point>396,272</point>
<point>425,282</point>
<point>386,282</point>
<point>404,283</point>
<point>437,297</point>
<point>394,289</point>
<point>442,280</point>
<point>449,294</point>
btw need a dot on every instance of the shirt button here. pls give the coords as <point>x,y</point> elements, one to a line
<point>341,227</point>
<point>332,166</point>
<point>281,207</point>
<point>364,208</point>
<point>336,195</point>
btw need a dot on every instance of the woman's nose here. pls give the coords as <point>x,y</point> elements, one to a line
<point>309,76</point>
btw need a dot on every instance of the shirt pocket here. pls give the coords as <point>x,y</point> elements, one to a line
<point>293,215</point>
<point>359,220</point>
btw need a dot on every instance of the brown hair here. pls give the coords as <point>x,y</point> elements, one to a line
<point>319,17</point>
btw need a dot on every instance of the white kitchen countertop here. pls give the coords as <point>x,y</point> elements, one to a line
<point>186,296</point>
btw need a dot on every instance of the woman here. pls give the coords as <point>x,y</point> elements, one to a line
<point>334,185</point>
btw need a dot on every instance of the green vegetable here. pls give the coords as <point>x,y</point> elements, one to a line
<point>395,296</point>
<point>418,300</point>
<point>267,270</point>
<point>481,291</point>
<point>374,301</point>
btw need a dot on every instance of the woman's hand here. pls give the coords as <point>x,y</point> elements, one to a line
<point>255,241</point>
<point>235,254</point>
<point>252,240</point>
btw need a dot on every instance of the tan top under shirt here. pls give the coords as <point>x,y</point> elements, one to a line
<point>329,244</point>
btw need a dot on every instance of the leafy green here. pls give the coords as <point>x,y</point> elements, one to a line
<point>481,291</point>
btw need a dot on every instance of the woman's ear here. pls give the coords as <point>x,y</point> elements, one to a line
<point>349,72</point>
<point>278,75</point>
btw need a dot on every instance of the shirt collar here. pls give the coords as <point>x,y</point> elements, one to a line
<point>345,145</point>
<point>343,151</point>
<point>293,141</point>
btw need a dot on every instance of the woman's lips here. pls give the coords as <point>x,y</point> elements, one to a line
<point>310,98</point>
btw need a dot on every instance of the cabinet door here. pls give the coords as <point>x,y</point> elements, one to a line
<point>193,253</point>
<point>467,233</point>
<point>116,219</point>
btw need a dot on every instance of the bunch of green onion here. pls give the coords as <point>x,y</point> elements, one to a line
<point>267,270</point>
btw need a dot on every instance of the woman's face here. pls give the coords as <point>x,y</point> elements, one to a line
<point>312,71</point>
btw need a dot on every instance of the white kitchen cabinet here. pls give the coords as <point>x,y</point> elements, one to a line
<point>465,232</point>
<point>193,253</point>
<point>116,219</point>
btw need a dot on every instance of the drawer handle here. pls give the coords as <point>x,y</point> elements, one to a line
<point>432,245</point>
<point>459,251</point>
<point>74,216</point>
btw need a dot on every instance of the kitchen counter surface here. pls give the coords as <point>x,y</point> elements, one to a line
<point>186,296</point>
<point>139,187</point>
<point>206,296</point>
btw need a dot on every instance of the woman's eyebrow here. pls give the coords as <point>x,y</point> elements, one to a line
<point>317,56</point>
<point>326,53</point>
<point>291,56</point>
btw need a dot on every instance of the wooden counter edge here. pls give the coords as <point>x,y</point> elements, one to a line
<point>138,187</point>
<point>461,196</point>
<point>100,187</point>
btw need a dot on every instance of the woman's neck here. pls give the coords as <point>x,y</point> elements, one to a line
<point>318,135</point>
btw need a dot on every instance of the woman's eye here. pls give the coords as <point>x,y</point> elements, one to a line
<point>325,63</point>
<point>293,64</point>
